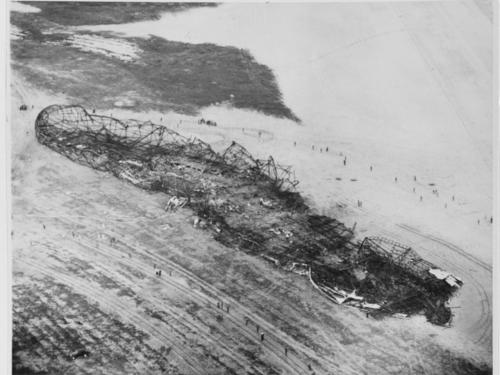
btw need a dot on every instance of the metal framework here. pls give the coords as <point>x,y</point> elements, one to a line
<point>155,157</point>
<point>398,254</point>
<point>135,151</point>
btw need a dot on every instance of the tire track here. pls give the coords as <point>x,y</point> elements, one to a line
<point>484,322</point>
<point>185,322</point>
<point>274,347</point>
<point>107,251</point>
<point>449,245</point>
<point>129,235</point>
<point>190,276</point>
<point>114,307</point>
<point>344,352</point>
<point>197,296</point>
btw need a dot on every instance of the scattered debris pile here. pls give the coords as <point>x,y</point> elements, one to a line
<point>251,205</point>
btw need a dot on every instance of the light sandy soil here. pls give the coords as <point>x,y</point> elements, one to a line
<point>15,6</point>
<point>117,48</point>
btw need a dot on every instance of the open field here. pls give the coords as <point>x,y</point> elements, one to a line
<point>86,245</point>
<point>64,218</point>
<point>100,13</point>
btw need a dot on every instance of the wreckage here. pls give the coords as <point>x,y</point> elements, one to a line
<point>252,205</point>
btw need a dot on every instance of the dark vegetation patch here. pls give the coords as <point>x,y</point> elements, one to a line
<point>166,75</point>
<point>102,13</point>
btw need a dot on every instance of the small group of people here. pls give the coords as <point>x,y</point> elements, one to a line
<point>490,220</point>
<point>157,271</point>
<point>314,147</point>
<point>220,305</point>
<point>202,121</point>
<point>257,329</point>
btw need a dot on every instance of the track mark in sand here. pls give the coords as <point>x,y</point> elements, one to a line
<point>278,349</point>
<point>202,298</point>
<point>449,245</point>
<point>136,249</point>
<point>190,325</point>
<point>484,321</point>
<point>274,338</point>
<point>115,306</point>
<point>274,348</point>
<point>444,84</point>
<point>483,324</point>
<point>47,329</point>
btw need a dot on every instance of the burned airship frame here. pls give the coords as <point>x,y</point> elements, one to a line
<point>252,205</point>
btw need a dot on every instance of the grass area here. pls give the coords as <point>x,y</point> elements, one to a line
<point>166,75</point>
<point>102,13</point>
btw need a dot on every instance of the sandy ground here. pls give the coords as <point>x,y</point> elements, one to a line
<point>50,190</point>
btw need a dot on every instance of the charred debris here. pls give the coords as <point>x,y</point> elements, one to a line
<point>252,205</point>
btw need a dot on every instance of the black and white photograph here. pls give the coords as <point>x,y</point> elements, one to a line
<point>265,188</point>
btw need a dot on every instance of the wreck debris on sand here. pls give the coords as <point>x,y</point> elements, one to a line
<point>252,205</point>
